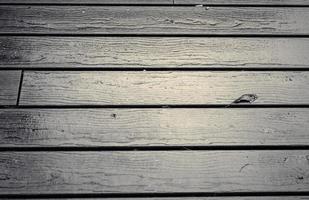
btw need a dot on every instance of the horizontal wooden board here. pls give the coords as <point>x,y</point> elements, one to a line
<point>206,198</point>
<point>154,20</point>
<point>200,198</point>
<point>188,2</point>
<point>152,172</point>
<point>164,87</point>
<point>153,127</point>
<point>153,52</point>
<point>129,2</point>
<point>242,2</point>
<point>177,2</point>
<point>9,85</point>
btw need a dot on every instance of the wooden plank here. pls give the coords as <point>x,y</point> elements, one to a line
<point>154,20</point>
<point>187,2</point>
<point>164,87</point>
<point>242,2</point>
<point>9,85</point>
<point>129,2</point>
<point>153,172</point>
<point>141,52</point>
<point>201,198</point>
<point>153,127</point>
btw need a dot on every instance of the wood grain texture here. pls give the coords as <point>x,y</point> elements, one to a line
<point>152,172</point>
<point>163,88</point>
<point>154,20</point>
<point>153,127</point>
<point>141,52</point>
<point>196,198</point>
<point>129,2</point>
<point>9,85</point>
<point>242,2</point>
<point>190,2</point>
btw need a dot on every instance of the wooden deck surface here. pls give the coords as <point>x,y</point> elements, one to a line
<point>154,100</point>
<point>148,52</point>
<point>137,20</point>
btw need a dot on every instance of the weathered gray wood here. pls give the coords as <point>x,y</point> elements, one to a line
<point>153,127</point>
<point>153,52</point>
<point>202,198</point>
<point>242,2</point>
<point>164,88</point>
<point>154,20</point>
<point>193,2</point>
<point>9,84</point>
<point>86,1</point>
<point>151,172</point>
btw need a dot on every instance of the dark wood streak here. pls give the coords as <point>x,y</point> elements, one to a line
<point>153,127</point>
<point>151,172</point>
<point>141,52</point>
<point>154,20</point>
<point>163,88</point>
<point>9,84</point>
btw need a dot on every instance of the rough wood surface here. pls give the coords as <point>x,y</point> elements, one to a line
<point>151,172</point>
<point>153,127</point>
<point>190,2</point>
<point>126,52</point>
<point>196,198</point>
<point>242,2</point>
<point>135,2</point>
<point>164,88</point>
<point>170,2</point>
<point>9,85</point>
<point>154,20</point>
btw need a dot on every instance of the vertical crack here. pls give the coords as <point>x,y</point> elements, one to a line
<point>20,87</point>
